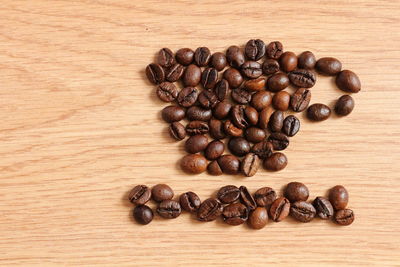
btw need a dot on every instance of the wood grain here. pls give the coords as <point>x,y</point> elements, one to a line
<point>81,126</point>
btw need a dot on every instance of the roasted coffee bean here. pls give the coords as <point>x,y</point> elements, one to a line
<point>288,61</point>
<point>139,195</point>
<point>196,143</point>
<point>251,115</point>
<point>229,164</point>
<point>281,100</point>
<point>235,214</point>
<point>270,66</point>
<point>239,146</point>
<point>174,72</point>
<point>344,217</point>
<point>184,56</point>
<point>291,125</point>
<point>194,163</point>
<point>328,66</point>
<point>233,77</point>
<point>222,89</point>
<point>177,131</point>
<point>143,214</point>
<point>323,207</point>
<point>231,129</point>
<point>189,201</point>
<point>197,127</point>
<point>207,99</point>
<point>169,209</point>
<point>218,61</point>
<point>258,218</point>
<point>277,82</point>
<point>279,141</point>
<point>222,109</point>
<point>187,96</point>
<point>300,99</point>
<point>235,56</point>
<point>196,113</point>
<point>255,84</point>
<point>261,100</point>
<point>318,112</point>
<point>348,81</point>
<point>274,50</point>
<point>246,198</point>
<point>155,73</point>
<point>241,96</point>
<point>302,211</point>
<point>202,56</point>
<point>276,121</point>
<point>276,162</point>
<point>338,197</point>
<point>214,150</point>
<point>209,210</point>
<point>213,168</point>
<point>296,191</point>
<point>262,149</point>
<point>344,105</point>
<point>217,129</point>
<point>191,76</point>
<point>167,91</point>
<point>209,78</point>
<point>161,192</point>
<point>280,209</point>
<point>306,60</point>
<point>255,49</point>
<point>228,194</point>
<point>302,78</point>
<point>254,134</point>
<point>239,117</point>
<point>251,69</point>
<point>250,164</point>
<point>264,117</point>
<point>172,113</point>
<point>166,57</point>
<point>265,196</point>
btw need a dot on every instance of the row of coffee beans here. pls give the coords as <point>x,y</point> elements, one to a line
<point>237,205</point>
<point>246,103</point>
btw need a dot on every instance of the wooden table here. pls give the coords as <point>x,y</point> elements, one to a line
<point>80,125</point>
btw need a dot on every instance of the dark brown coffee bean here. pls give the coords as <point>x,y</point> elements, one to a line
<point>229,164</point>
<point>166,57</point>
<point>255,49</point>
<point>222,89</point>
<point>246,198</point>
<point>172,113</point>
<point>250,164</point>
<point>209,78</point>
<point>302,211</point>
<point>255,84</point>
<point>189,201</point>
<point>233,77</point>
<point>261,100</point>
<point>239,117</point>
<point>277,82</point>
<point>280,209</point>
<point>169,209</point>
<point>296,191</point>
<point>139,195</point>
<point>235,214</point>
<point>228,194</point>
<point>264,117</point>
<point>202,56</point>
<point>344,105</point>
<point>344,217</point>
<point>209,210</point>
<point>288,61</point>
<point>291,125</point>
<point>143,214</point>
<point>274,50</point>
<point>196,143</point>
<point>196,113</point>
<point>214,150</point>
<point>235,56</point>
<point>197,127</point>
<point>254,134</point>
<point>251,69</point>
<point>216,129</point>
<point>155,73</point>
<point>348,81</point>
<point>218,61</point>
<point>318,112</point>
<point>262,149</point>
<point>265,196</point>
<point>239,146</point>
<point>241,96</point>
<point>177,131</point>
<point>279,141</point>
<point>281,100</point>
<point>328,66</point>
<point>187,96</point>
<point>167,91</point>
<point>258,218</point>
<point>161,192</point>
<point>306,60</point>
<point>231,130</point>
<point>222,109</point>
<point>184,56</point>
<point>276,162</point>
<point>276,121</point>
<point>207,99</point>
<point>270,66</point>
<point>213,168</point>
<point>174,72</point>
<point>194,163</point>
<point>191,76</point>
<point>302,78</point>
<point>300,99</point>
<point>338,197</point>
<point>323,207</point>
<point>251,115</point>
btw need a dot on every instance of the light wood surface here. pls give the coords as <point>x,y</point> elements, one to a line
<point>80,126</point>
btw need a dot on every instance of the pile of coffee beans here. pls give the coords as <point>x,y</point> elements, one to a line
<point>236,205</point>
<point>239,95</point>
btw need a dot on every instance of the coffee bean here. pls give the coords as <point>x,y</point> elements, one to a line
<point>251,115</point>
<point>161,192</point>
<point>235,214</point>
<point>233,77</point>
<point>239,146</point>
<point>139,195</point>
<point>184,56</point>
<point>202,56</point>
<point>217,129</point>
<point>196,143</point>
<point>251,69</point>
<point>323,207</point>
<point>291,125</point>
<point>344,105</point>
<point>318,112</point>
<point>258,218</point>
<point>213,168</point>
<point>222,89</point>
<point>254,134</point>
<point>281,100</point>
<point>191,76</point>
<point>241,96</point>
<point>277,82</point>
<point>155,73</point>
<point>143,214</point>
<point>344,217</point>
<point>235,56</point>
<point>167,91</point>
<point>229,164</point>
<point>276,121</point>
<point>222,109</point>
<point>187,96</point>
<point>209,210</point>
<point>265,196</point>
<point>239,117</point>
<point>194,163</point>
<point>276,162</point>
<point>279,141</point>
<point>338,197</point>
<point>255,49</point>
<point>172,113</point>
<point>250,164</point>
<point>274,50</point>
<point>302,211</point>
<point>231,130</point>
<point>302,78</point>
<point>207,99</point>
<point>246,198</point>
<point>296,191</point>
<point>264,117</point>
<point>177,131</point>
<point>214,150</point>
<point>189,201</point>
<point>196,113</point>
<point>166,57</point>
<point>288,61</point>
<point>300,99</point>
<point>348,81</point>
<point>262,149</point>
<point>280,209</point>
<point>261,100</point>
<point>209,78</point>
<point>174,72</point>
<point>197,127</point>
<point>218,61</point>
<point>306,60</point>
<point>328,66</point>
<point>270,66</point>
<point>255,84</point>
<point>228,194</point>
<point>169,209</point>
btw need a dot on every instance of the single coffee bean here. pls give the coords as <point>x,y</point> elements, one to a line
<point>277,82</point>
<point>207,99</point>
<point>214,150</point>
<point>291,125</point>
<point>161,192</point>
<point>302,211</point>
<point>251,69</point>
<point>288,61</point>
<point>264,117</point>
<point>177,131</point>
<point>228,194</point>
<point>167,91</point>
<point>172,113</point>
<point>196,143</point>
<point>276,162</point>
<point>344,105</point>
<point>328,66</point>
<point>254,134</point>
<point>155,73</point>
<point>302,78</point>
<point>196,113</point>
<point>209,78</point>
<point>241,96</point>
<point>222,109</point>
<point>246,198</point>
<point>270,66</point>
<point>202,56</point>
<point>261,100</point>
<point>191,76</point>
<point>239,146</point>
<point>300,99</point>
<point>344,217</point>
<point>280,209</point>
<point>187,96</point>
<point>216,129</point>
<point>255,84</point>
<point>274,50</point>
<point>323,207</point>
<point>184,56</point>
<point>194,163</point>
<point>169,209</point>
<point>258,218</point>
<point>235,56</point>
<point>296,191</point>
<point>255,49</point>
<point>250,164</point>
<point>262,149</point>
<point>239,117</point>
<point>233,77</point>
<point>251,115</point>
<point>231,130</point>
<point>281,100</point>
<point>222,89</point>
<point>197,127</point>
<point>229,164</point>
<point>265,196</point>
<point>143,214</point>
<point>306,60</point>
<point>276,121</point>
<point>213,168</point>
<point>235,214</point>
<point>139,195</point>
<point>174,72</point>
<point>209,210</point>
<point>338,197</point>
<point>279,141</point>
<point>218,61</point>
<point>166,57</point>
<point>318,112</point>
<point>348,81</point>
<point>189,201</point>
